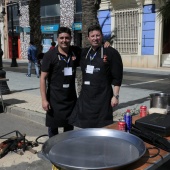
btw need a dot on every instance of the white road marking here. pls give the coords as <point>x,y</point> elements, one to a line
<point>125,85</point>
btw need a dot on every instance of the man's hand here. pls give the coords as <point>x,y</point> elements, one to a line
<point>45,105</point>
<point>106,44</point>
<point>114,101</point>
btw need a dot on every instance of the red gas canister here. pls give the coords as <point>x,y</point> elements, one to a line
<point>143,111</point>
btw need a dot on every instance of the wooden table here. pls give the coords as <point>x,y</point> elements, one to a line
<point>1,81</point>
<point>144,162</point>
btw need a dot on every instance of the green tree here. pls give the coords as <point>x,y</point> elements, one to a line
<point>89,17</point>
<point>164,10</point>
<point>35,23</point>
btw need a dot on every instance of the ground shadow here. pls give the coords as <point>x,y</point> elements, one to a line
<point>9,102</point>
<point>131,103</point>
<point>15,91</point>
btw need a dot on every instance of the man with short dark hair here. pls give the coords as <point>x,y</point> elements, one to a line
<point>101,68</point>
<point>59,70</point>
<point>32,59</point>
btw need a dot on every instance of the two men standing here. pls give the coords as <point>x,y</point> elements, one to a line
<point>102,67</point>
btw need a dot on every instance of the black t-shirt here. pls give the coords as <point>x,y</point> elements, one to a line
<point>113,60</point>
<point>52,60</point>
<point>51,56</point>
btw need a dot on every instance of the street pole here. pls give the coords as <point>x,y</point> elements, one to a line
<point>4,86</point>
<point>14,62</point>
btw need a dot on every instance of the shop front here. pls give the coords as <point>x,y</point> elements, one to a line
<point>49,33</point>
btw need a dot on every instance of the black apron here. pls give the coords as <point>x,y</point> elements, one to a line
<point>61,93</point>
<point>93,108</point>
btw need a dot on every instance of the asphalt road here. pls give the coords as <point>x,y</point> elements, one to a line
<point>148,80</point>
<point>137,85</point>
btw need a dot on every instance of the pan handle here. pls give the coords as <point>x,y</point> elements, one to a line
<point>153,156</point>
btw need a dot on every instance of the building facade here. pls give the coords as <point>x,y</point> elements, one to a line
<point>138,32</point>
<point>133,27</point>
<point>17,30</point>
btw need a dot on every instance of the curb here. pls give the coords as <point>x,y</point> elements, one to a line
<point>33,116</point>
<point>30,115</point>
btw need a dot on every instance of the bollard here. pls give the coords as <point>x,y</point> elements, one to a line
<point>4,85</point>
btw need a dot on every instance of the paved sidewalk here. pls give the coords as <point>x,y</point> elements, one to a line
<point>25,100</point>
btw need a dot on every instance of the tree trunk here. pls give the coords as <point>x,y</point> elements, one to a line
<point>67,8</point>
<point>89,17</point>
<point>35,23</point>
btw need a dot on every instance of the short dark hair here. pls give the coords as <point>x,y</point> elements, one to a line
<point>53,43</point>
<point>31,42</point>
<point>94,28</point>
<point>64,30</point>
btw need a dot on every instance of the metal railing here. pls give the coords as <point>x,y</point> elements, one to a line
<point>126,31</point>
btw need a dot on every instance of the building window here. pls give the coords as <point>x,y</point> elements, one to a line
<point>126,31</point>
<point>78,6</point>
<point>50,10</point>
<point>14,12</point>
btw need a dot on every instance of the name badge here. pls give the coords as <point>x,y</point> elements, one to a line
<point>66,85</point>
<point>67,71</point>
<point>87,82</point>
<point>89,69</point>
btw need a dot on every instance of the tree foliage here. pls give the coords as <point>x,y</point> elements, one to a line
<point>164,10</point>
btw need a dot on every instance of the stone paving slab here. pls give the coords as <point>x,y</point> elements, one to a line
<point>25,101</point>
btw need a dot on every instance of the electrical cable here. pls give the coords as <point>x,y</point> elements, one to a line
<point>36,140</point>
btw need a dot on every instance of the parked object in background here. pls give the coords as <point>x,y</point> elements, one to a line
<point>157,110</point>
<point>160,100</point>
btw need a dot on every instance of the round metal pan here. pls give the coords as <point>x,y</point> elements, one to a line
<point>93,149</point>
